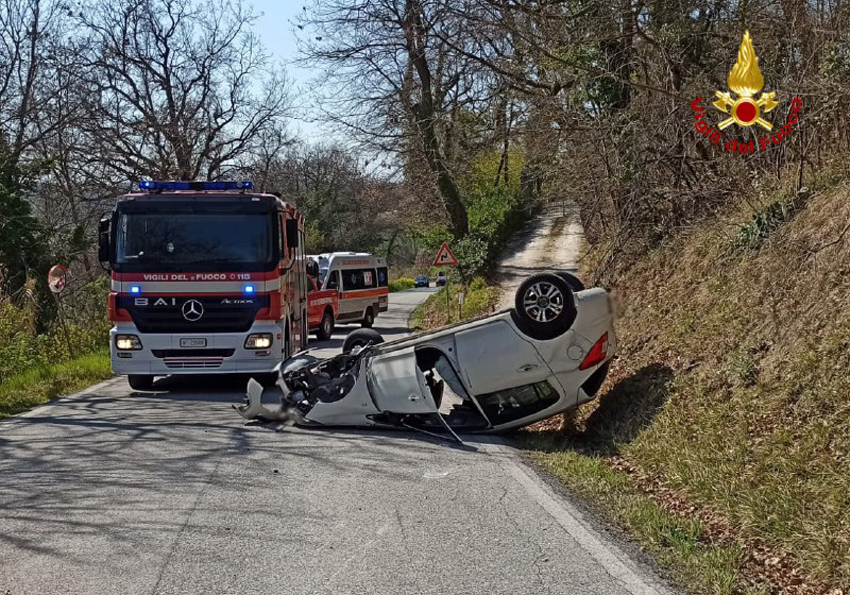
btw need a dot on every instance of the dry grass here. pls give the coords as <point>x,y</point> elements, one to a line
<point>732,385</point>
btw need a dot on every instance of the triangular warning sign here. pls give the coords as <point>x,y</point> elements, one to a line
<point>445,257</point>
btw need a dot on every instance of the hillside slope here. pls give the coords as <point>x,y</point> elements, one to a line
<point>732,385</point>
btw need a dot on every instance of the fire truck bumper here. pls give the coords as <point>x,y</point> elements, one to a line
<point>161,354</point>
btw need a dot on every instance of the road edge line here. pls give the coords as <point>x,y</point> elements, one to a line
<point>605,552</point>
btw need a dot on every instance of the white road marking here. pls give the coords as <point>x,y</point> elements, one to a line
<point>568,517</point>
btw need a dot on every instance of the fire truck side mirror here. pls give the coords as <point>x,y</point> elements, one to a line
<point>103,240</point>
<point>291,233</point>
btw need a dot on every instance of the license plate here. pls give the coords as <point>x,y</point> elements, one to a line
<point>193,342</point>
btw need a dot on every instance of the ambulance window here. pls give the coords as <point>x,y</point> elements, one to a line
<point>333,280</point>
<point>352,279</point>
<point>382,277</point>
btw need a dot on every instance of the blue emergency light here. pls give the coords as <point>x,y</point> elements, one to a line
<point>156,185</point>
<point>248,289</point>
<point>135,289</point>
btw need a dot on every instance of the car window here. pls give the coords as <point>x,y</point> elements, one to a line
<point>515,403</point>
<point>450,395</point>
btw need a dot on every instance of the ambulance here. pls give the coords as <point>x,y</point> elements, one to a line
<point>361,282</point>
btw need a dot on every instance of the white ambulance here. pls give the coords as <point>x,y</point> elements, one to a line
<point>361,280</point>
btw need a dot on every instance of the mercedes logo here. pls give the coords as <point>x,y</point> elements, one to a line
<point>193,310</point>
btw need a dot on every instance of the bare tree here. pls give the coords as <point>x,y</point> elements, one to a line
<point>31,52</point>
<point>393,82</point>
<point>179,89</point>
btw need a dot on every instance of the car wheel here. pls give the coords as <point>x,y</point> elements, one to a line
<point>326,327</point>
<point>544,306</point>
<point>361,338</point>
<point>140,381</point>
<point>368,319</point>
<point>575,283</point>
<point>297,362</point>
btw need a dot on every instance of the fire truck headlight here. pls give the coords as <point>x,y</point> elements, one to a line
<point>128,342</point>
<point>258,341</point>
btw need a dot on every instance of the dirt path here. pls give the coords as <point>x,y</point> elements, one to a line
<point>551,241</point>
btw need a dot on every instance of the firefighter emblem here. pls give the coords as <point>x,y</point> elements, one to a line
<point>745,80</point>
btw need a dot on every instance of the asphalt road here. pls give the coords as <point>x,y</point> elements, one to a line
<point>113,492</point>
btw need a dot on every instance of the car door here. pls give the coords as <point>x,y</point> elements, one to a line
<point>398,385</point>
<point>493,356</point>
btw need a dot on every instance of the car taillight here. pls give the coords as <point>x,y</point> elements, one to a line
<point>597,353</point>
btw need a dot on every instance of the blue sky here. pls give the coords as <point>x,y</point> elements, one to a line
<point>274,26</point>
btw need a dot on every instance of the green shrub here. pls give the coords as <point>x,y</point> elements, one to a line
<point>401,284</point>
<point>495,215</point>
<point>22,347</point>
<point>473,254</point>
<point>753,233</point>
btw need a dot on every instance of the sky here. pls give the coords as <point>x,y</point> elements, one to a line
<point>274,26</point>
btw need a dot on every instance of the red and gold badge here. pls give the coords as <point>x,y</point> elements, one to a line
<point>745,79</point>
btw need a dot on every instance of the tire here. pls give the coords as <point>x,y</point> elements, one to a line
<point>140,381</point>
<point>326,327</point>
<point>575,283</point>
<point>296,363</point>
<point>368,319</point>
<point>544,306</point>
<point>361,338</point>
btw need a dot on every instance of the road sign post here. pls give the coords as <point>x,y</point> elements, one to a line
<point>57,278</point>
<point>448,305</point>
<point>446,258</point>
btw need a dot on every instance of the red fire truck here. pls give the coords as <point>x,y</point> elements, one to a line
<point>207,277</point>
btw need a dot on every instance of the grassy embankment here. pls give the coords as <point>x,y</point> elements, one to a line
<point>40,364</point>
<point>479,299</point>
<point>721,441</point>
<point>39,385</point>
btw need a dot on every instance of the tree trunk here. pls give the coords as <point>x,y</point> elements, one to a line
<point>424,114</point>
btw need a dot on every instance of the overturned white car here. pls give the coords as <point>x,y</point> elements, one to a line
<point>548,354</point>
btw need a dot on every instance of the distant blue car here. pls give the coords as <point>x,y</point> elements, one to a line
<point>422,281</point>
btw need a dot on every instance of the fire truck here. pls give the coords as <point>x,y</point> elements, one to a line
<point>207,277</point>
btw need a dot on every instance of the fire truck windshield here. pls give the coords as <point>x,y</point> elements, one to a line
<point>194,241</point>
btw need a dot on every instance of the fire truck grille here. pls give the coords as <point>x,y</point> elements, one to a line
<point>193,314</point>
<point>193,363</point>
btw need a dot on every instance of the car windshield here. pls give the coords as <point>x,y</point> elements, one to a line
<point>186,238</point>
<point>515,403</point>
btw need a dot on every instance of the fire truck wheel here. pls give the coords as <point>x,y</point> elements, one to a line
<point>140,382</point>
<point>368,319</point>
<point>326,327</point>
